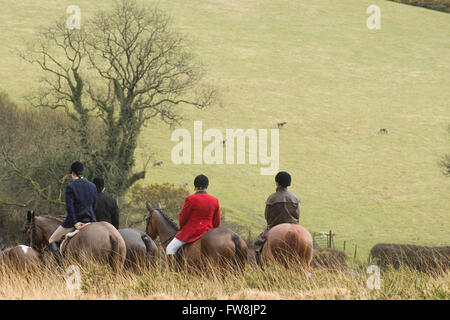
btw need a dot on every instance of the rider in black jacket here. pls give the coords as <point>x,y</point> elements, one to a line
<point>81,195</point>
<point>106,208</point>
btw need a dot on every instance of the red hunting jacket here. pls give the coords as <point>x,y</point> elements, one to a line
<point>200,213</point>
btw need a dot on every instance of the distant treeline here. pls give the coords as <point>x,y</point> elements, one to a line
<point>440,5</point>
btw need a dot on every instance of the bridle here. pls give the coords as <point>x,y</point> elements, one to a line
<point>148,219</point>
<point>30,224</point>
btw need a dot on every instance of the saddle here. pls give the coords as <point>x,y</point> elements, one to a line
<point>66,238</point>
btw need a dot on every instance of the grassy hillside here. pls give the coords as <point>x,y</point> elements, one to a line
<point>315,65</point>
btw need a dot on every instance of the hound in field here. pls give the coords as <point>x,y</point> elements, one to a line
<point>383,130</point>
<point>158,164</point>
<point>281,124</point>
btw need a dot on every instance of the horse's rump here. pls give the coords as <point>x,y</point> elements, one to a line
<point>288,243</point>
<point>99,242</point>
<point>218,246</point>
<point>20,257</point>
<point>140,249</point>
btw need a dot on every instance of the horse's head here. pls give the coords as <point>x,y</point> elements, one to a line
<point>150,227</point>
<point>32,235</point>
<point>28,227</point>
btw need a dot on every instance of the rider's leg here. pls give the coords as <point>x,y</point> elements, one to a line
<point>59,233</point>
<point>55,238</point>
<point>259,244</point>
<point>171,252</point>
<point>173,246</point>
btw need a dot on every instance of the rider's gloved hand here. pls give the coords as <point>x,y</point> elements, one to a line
<point>79,225</point>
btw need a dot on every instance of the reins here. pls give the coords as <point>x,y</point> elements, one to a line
<point>149,222</point>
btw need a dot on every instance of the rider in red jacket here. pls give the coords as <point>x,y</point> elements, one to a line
<point>200,213</point>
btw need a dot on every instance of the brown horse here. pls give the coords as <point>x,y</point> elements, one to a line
<point>287,243</point>
<point>219,246</point>
<point>98,241</point>
<point>20,258</point>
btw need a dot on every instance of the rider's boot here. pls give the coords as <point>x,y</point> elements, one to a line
<point>258,258</point>
<point>54,248</point>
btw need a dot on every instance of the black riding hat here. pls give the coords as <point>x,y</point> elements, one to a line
<point>283,179</point>
<point>77,167</point>
<point>201,181</point>
<point>99,183</point>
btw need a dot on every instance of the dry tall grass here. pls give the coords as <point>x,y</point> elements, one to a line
<point>274,282</point>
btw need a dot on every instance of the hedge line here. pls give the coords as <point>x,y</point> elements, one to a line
<point>440,5</point>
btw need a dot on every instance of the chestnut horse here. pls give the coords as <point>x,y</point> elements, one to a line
<point>219,246</point>
<point>20,258</point>
<point>98,241</point>
<point>288,243</point>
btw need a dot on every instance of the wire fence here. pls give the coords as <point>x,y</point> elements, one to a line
<point>327,240</point>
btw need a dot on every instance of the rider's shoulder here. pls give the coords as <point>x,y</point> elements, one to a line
<point>293,197</point>
<point>70,186</point>
<point>282,196</point>
<point>76,184</point>
<point>201,194</point>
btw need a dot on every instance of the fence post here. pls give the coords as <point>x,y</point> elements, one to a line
<point>344,245</point>
<point>356,247</point>
<point>329,239</point>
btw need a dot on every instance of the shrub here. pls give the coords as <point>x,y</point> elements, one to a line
<point>329,259</point>
<point>170,196</point>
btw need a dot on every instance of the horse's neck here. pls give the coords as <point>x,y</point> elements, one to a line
<point>165,230</point>
<point>49,226</point>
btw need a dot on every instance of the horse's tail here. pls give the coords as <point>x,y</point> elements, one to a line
<point>115,256</point>
<point>239,255</point>
<point>148,247</point>
<point>298,248</point>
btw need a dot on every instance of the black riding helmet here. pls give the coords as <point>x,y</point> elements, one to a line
<point>283,179</point>
<point>99,183</point>
<point>201,181</point>
<point>77,167</point>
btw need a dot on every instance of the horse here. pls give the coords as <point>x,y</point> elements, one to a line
<point>98,241</point>
<point>219,246</point>
<point>288,243</point>
<point>141,250</point>
<point>20,257</point>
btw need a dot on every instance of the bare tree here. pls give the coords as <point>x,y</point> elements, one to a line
<point>125,67</point>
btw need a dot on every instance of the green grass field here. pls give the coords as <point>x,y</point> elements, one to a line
<point>317,66</point>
